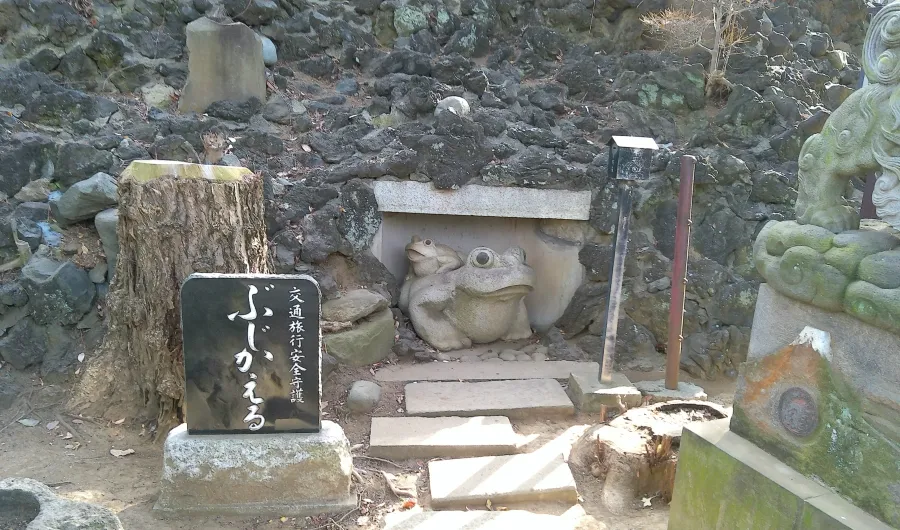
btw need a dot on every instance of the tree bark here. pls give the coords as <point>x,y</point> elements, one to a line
<point>174,219</point>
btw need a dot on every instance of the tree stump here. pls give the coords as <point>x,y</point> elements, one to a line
<point>174,219</point>
<point>636,454</point>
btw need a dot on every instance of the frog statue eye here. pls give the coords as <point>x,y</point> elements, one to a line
<point>482,257</point>
<point>428,242</point>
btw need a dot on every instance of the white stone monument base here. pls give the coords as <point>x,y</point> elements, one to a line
<point>257,474</point>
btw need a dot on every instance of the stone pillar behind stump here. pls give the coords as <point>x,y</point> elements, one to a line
<point>225,61</point>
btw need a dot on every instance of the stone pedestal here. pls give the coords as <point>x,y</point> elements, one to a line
<point>257,474</point>
<point>724,481</point>
<point>589,394</point>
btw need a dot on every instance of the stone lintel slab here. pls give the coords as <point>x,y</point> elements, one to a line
<point>716,470</point>
<point>482,201</point>
<point>538,476</point>
<point>525,399</point>
<point>589,394</point>
<point>657,391</point>
<point>257,474</point>
<point>412,437</point>
<point>485,371</point>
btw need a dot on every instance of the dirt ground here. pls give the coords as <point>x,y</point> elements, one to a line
<point>74,459</point>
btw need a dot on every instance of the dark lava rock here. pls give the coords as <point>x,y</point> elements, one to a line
<point>321,237</point>
<point>360,219</point>
<point>24,345</point>
<point>78,161</point>
<point>13,294</point>
<point>106,49</point>
<point>529,135</point>
<point>27,157</point>
<point>455,152</point>
<point>252,12</point>
<point>233,110</point>
<point>58,291</point>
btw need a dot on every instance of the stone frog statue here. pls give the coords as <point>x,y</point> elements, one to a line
<point>479,302</point>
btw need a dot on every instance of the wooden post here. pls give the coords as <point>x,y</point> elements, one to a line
<point>174,219</point>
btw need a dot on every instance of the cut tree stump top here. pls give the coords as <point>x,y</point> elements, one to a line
<point>146,170</point>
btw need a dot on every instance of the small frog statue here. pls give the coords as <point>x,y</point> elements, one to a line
<point>476,300</point>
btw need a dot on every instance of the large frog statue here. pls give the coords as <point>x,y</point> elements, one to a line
<point>480,302</point>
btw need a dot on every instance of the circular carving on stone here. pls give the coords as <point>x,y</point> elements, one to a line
<point>798,412</point>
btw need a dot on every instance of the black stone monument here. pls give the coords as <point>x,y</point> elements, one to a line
<point>252,358</point>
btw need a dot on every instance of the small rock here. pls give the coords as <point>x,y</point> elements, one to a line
<point>85,199</point>
<point>490,354</point>
<point>442,357</point>
<point>270,54</point>
<point>230,159</point>
<point>454,104</point>
<point>12,294</point>
<point>368,342</point>
<point>509,355</point>
<point>353,306</point>
<point>106,223</point>
<point>24,345</point>
<point>35,191</point>
<point>235,110</point>
<point>659,285</point>
<point>58,291</point>
<point>98,273</point>
<point>523,357</point>
<point>538,356</point>
<point>347,86</point>
<point>37,500</point>
<point>158,95</point>
<point>470,359</point>
<point>363,397</point>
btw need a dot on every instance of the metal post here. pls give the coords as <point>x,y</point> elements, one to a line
<point>679,270</point>
<point>616,274</point>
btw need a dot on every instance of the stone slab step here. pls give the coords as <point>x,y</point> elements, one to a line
<point>487,371</point>
<point>538,476</point>
<point>402,438</point>
<point>476,520</point>
<point>529,398</point>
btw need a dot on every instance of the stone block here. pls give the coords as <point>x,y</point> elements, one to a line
<point>862,354</point>
<point>225,62</point>
<point>540,476</point>
<point>589,394</point>
<point>28,502</point>
<point>404,438</point>
<point>724,481</point>
<point>476,520</point>
<point>58,291</point>
<point>530,398</point>
<point>795,405</point>
<point>367,342</point>
<point>482,201</point>
<point>259,474</point>
<point>481,372</point>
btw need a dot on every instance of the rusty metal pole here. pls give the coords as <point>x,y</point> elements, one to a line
<point>679,270</point>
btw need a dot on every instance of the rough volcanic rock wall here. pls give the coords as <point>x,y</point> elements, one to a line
<point>87,87</point>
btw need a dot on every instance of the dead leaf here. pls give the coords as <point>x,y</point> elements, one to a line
<point>52,425</point>
<point>362,521</point>
<point>68,436</point>
<point>77,422</point>
<point>488,504</point>
<point>118,453</point>
<point>306,148</point>
<point>408,504</point>
<point>119,422</point>
<point>81,357</point>
<point>29,422</point>
<point>646,502</point>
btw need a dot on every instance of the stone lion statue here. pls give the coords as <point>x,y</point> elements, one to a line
<point>861,136</point>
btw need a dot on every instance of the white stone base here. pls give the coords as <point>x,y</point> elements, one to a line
<point>257,474</point>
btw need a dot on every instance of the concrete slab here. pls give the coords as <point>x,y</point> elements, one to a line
<point>475,520</point>
<point>657,391</point>
<point>716,469</point>
<point>530,398</point>
<point>589,395</point>
<point>482,201</point>
<point>482,371</point>
<point>539,476</point>
<point>257,474</point>
<point>402,438</point>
